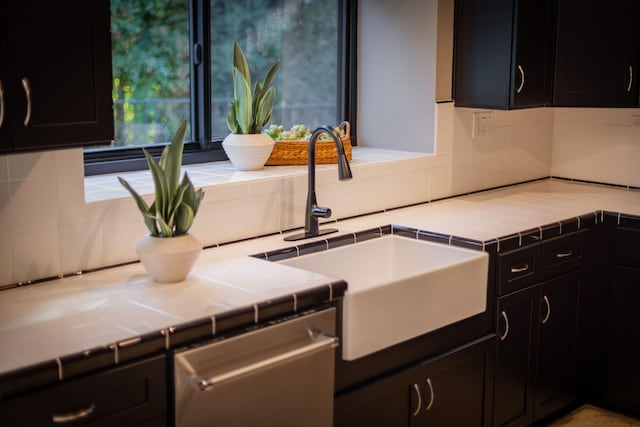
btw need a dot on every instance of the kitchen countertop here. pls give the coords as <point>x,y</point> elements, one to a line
<point>49,323</point>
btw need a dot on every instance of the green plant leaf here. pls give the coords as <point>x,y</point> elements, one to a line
<point>271,74</point>
<point>265,107</point>
<point>184,218</point>
<point>240,62</point>
<point>173,162</point>
<point>142,205</point>
<point>161,185</point>
<point>232,123</point>
<point>166,230</point>
<point>243,101</point>
<point>150,220</point>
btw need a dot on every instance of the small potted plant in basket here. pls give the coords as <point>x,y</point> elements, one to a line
<point>169,251</point>
<point>249,112</point>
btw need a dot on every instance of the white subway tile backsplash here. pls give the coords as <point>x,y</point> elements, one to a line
<point>4,168</point>
<point>33,204</point>
<point>32,165</point>
<point>53,221</point>
<point>6,259</point>
<point>81,247</point>
<point>36,254</point>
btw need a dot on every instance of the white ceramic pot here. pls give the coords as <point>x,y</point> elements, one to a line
<point>168,259</point>
<point>248,152</point>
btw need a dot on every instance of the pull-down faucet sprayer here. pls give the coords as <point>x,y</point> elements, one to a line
<point>313,211</point>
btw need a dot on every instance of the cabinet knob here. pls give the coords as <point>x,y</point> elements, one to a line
<point>630,78</point>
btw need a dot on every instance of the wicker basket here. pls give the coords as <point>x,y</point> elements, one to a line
<point>295,152</point>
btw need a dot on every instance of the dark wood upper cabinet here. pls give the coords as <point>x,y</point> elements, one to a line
<point>5,118</point>
<point>597,52</point>
<point>502,53</point>
<point>56,70</point>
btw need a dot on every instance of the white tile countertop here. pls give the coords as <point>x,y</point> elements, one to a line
<point>52,319</point>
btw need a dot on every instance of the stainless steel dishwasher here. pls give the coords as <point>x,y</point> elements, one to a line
<point>278,375</point>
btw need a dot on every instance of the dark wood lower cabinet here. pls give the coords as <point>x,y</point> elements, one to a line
<point>452,389</point>
<point>622,385</point>
<point>131,395</point>
<point>536,351</point>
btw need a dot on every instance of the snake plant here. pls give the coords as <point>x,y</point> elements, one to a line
<point>176,202</point>
<point>249,111</point>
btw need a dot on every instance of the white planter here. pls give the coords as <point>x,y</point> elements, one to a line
<point>168,259</point>
<point>248,152</point>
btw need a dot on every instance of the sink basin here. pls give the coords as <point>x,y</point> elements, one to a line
<point>400,288</point>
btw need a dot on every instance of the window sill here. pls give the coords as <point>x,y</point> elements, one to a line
<point>106,187</point>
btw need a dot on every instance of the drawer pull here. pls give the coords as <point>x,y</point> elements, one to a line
<point>564,254</point>
<point>73,416</point>
<point>431,394</point>
<point>546,317</point>
<point>520,269</point>
<point>417,411</point>
<point>506,326</point>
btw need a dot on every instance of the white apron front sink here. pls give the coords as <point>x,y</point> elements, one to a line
<point>400,288</point>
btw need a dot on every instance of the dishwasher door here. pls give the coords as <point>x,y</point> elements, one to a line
<point>278,375</point>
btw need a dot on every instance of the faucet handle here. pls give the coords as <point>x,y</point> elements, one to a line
<point>321,212</point>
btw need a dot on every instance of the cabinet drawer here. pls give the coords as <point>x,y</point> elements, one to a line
<point>628,247</point>
<point>519,268</point>
<point>125,396</point>
<point>563,253</point>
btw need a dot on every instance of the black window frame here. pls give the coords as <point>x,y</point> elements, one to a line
<point>203,147</point>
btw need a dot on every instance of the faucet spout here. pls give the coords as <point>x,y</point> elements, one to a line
<point>312,211</point>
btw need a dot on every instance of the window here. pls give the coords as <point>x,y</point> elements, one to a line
<point>172,60</point>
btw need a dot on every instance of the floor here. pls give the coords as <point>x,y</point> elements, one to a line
<point>591,416</point>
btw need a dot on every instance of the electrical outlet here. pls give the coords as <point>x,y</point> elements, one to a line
<point>482,124</point>
<point>635,120</point>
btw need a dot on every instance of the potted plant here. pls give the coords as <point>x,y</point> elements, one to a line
<point>249,112</point>
<point>169,251</point>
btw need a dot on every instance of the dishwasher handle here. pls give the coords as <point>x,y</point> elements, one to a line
<point>321,341</point>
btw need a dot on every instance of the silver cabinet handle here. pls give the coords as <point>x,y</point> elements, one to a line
<point>417,411</point>
<point>321,342</point>
<point>506,326</point>
<point>521,80</point>
<point>546,317</point>
<point>564,254</point>
<point>630,78</point>
<point>431,395</point>
<point>73,416</point>
<point>1,104</point>
<point>524,267</point>
<point>27,92</point>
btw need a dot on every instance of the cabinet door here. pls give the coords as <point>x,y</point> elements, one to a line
<point>384,403</point>
<point>129,395</point>
<point>596,53</point>
<point>501,54</point>
<point>458,388</point>
<point>622,385</point>
<point>452,389</point>
<point>60,61</point>
<point>5,120</point>
<point>531,71</point>
<point>556,355</point>
<point>514,379</point>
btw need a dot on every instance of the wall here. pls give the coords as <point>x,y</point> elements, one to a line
<point>396,73</point>
<point>596,144</point>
